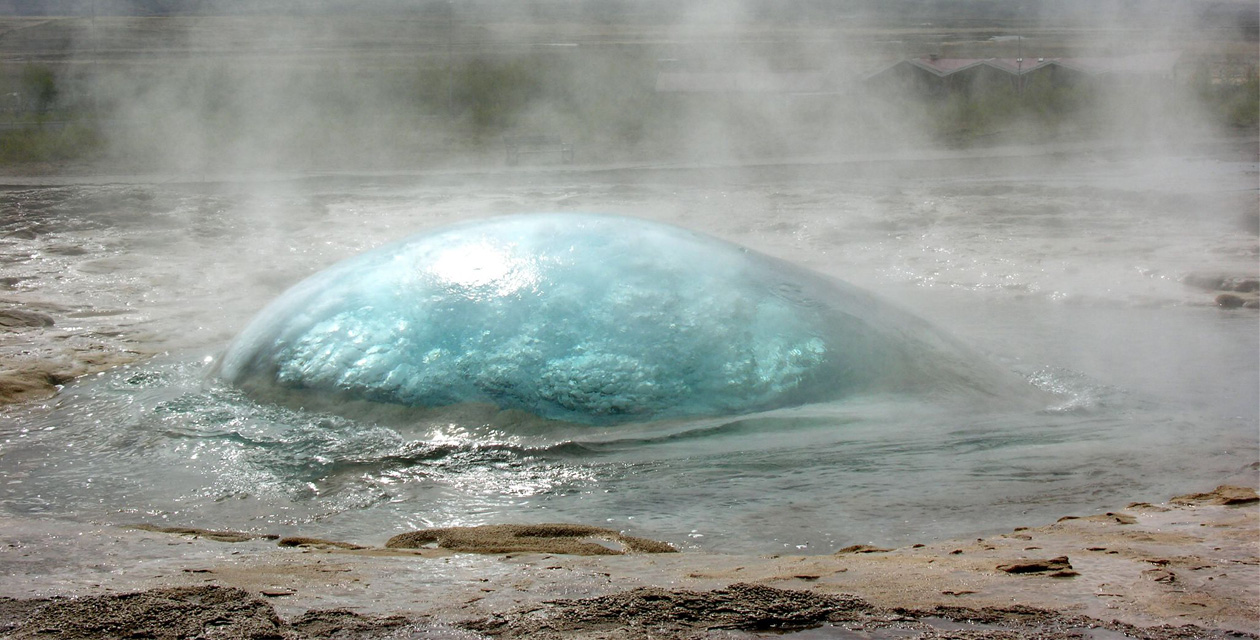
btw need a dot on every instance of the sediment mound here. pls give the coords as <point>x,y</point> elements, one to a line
<point>573,539</point>
<point>222,613</point>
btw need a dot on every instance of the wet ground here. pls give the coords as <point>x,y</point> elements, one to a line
<point>1186,568</point>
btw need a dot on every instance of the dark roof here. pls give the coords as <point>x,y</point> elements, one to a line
<point>1161,63</point>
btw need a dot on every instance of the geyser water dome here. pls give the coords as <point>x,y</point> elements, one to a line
<point>591,319</point>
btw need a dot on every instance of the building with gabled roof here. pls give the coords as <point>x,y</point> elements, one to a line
<point>933,74</point>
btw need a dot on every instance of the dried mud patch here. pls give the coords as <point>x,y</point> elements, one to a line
<point>209,534</point>
<point>655,612</point>
<point>1223,495</point>
<point>573,539</point>
<point>38,356</point>
<point>659,613</point>
<point>211,612</point>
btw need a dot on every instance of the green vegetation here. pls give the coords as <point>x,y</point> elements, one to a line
<point>46,143</point>
<point>1040,107</point>
<point>1045,109</point>
<point>1236,104</point>
<point>34,124</point>
<point>581,97</point>
<point>218,114</point>
<point>38,88</point>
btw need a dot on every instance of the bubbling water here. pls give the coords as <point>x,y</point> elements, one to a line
<point>159,442</point>
<point>592,319</point>
<point>1069,277</point>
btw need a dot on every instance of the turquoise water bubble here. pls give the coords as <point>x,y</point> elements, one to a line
<point>591,319</point>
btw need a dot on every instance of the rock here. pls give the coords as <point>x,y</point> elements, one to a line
<point>300,541</point>
<point>1233,291</point>
<point>1222,495</point>
<point>1246,285</point>
<point>1145,506</point>
<point>30,382</point>
<point>1218,282</point>
<point>25,378</point>
<point>343,623</point>
<point>1229,301</point>
<point>574,539</point>
<point>23,319</point>
<point>161,613</point>
<point>1160,575</point>
<point>217,536</point>
<point>222,613</point>
<point>660,613</point>
<point>1059,564</point>
<point>1109,517</point>
<point>860,548</point>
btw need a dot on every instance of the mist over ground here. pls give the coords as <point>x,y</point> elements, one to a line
<point>228,87</point>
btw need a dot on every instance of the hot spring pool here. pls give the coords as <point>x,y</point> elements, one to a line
<point>1069,278</point>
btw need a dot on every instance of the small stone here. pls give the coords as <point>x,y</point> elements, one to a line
<point>1058,564</point>
<point>21,319</point>
<point>301,541</point>
<point>1222,495</point>
<point>574,539</point>
<point>218,536</point>
<point>1246,285</point>
<point>1109,517</point>
<point>1229,301</point>
<point>861,548</point>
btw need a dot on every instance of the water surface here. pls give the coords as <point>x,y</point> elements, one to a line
<point>1070,276</point>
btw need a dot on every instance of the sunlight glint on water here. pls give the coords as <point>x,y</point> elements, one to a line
<point>158,442</point>
<point>1153,396</point>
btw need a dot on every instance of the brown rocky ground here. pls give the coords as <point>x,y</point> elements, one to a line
<point>568,539</point>
<point>180,612</point>
<point>1188,568</point>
